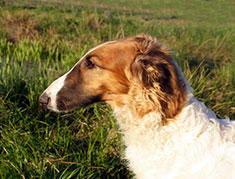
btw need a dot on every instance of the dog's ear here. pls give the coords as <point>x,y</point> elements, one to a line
<point>155,70</point>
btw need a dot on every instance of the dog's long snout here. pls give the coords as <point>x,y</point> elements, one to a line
<point>44,99</point>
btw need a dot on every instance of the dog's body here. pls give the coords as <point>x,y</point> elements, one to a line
<point>196,145</point>
<point>168,133</point>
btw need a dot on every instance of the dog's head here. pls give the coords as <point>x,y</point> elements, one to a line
<point>135,70</point>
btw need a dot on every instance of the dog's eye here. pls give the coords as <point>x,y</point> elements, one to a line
<point>90,64</point>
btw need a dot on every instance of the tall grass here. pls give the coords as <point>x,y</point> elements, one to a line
<point>40,42</point>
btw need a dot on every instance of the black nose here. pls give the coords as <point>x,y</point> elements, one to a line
<point>44,99</point>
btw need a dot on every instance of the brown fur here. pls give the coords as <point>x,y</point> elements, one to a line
<point>137,72</point>
<point>155,68</point>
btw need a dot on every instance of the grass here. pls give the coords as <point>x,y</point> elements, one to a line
<point>41,40</point>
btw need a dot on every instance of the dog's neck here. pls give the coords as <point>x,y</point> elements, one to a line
<point>139,119</point>
<point>150,126</point>
<point>132,121</point>
<point>135,128</point>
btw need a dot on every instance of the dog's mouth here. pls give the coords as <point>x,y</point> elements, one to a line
<point>44,102</point>
<point>64,104</point>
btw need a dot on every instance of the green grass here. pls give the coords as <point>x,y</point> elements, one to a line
<point>41,40</point>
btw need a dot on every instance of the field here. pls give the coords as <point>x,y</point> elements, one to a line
<point>41,40</point>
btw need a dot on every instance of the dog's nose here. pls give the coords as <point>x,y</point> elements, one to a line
<point>44,99</point>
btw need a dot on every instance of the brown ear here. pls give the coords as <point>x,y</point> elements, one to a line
<point>157,73</point>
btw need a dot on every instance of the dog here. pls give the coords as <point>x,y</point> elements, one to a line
<point>167,132</point>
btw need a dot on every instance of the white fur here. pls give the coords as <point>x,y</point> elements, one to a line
<point>52,91</point>
<point>196,145</point>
